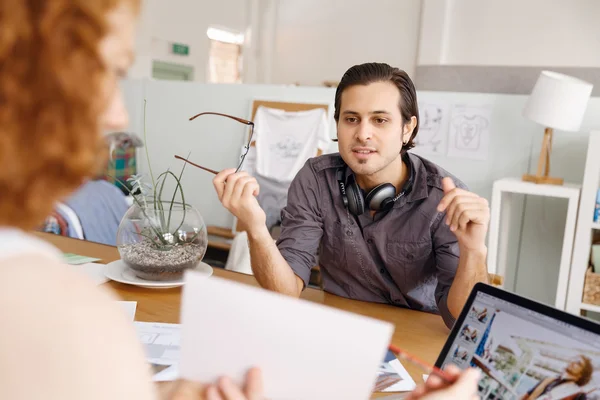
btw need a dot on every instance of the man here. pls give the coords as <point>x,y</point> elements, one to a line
<point>387,226</point>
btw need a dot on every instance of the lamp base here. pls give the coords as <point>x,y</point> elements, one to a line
<point>544,164</point>
<point>543,179</point>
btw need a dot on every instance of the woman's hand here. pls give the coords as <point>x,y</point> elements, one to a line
<point>224,389</point>
<point>464,386</point>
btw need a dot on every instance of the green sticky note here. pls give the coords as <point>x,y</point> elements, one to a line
<point>75,259</point>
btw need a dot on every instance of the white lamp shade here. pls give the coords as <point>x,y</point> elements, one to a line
<point>558,101</point>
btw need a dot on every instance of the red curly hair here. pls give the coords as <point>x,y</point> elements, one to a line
<point>51,74</point>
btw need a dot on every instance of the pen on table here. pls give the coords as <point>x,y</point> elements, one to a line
<point>430,369</point>
<point>212,171</point>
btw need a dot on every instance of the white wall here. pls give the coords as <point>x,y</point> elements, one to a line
<point>183,21</point>
<point>288,41</point>
<point>319,40</point>
<point>561,33</point>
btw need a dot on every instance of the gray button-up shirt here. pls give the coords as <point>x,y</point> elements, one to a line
<point>407,257</point>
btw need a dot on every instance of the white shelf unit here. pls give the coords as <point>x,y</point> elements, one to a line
<point>585,227</point>
<point>503,191</point>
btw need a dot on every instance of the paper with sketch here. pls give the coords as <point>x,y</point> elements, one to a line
<point>305,350</point>
<point>393,377</point>
<point>161,342</point>
<point>129,307</point>
<point>432,138</point>
<point>470,132</point>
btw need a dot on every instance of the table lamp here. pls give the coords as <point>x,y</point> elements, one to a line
<point>557,101</point>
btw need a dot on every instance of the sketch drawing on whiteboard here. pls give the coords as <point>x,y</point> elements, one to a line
<point>469,130</point>
<point>432,134</point>
<point>469,135</point>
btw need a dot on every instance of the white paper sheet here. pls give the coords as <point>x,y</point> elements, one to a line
<point>470,132</point>
<point>129,307</point>
<point>162,342</point>
<point>171,373</point>
<point>305,350</point>
<point>94,271</point>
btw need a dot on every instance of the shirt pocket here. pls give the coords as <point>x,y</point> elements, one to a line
<point>333,254</point>
<point>410,257</point>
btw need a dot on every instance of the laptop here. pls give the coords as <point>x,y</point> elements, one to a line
<point>524,349</point>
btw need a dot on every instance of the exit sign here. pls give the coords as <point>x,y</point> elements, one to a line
<point>181,49</point>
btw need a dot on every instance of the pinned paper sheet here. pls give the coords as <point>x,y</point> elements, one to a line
<point>470,132</point>
<point>306,351</point>
<point>433,129</point>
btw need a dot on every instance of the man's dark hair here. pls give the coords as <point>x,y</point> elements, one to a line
<point>365,74</point>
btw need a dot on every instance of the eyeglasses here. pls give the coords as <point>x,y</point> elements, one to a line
<point>244,151</point>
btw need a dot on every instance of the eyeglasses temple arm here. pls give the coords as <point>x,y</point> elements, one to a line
<point>243,121</point>
<point>212,171</point>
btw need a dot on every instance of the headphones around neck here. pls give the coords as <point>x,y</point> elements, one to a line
<point>381,198</point>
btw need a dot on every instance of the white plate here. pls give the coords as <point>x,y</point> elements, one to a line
<point>119,271</point>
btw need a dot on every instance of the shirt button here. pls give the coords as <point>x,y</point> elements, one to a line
<point>382,271</point>
<point>410,256</point>
<point>369,240</point>
<point>349,232</point>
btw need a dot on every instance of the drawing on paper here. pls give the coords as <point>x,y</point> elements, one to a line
<point>287,147</point>
<point>433,131</point>
<point>469,132</point>
<point>469,129</point>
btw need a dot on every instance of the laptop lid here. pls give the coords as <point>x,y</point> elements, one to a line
<point>524,349</point>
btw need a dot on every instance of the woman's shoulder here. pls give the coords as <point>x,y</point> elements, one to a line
<point>67,332</point>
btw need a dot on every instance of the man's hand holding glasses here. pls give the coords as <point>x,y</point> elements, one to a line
<point>236,189</point>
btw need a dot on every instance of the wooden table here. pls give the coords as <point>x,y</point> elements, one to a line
<point>419,333</point>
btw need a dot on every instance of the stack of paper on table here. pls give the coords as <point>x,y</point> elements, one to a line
<point>162,344</point>
<point>305,350</point>
<point>393,377</point>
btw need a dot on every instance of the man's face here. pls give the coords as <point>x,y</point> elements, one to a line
<point>370,127</point>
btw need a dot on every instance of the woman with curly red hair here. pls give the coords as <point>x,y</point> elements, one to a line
<point>63,337</point>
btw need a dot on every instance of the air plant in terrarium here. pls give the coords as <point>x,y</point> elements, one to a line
<point>159,238</point>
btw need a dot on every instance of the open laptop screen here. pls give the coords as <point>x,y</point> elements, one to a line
<point>524,354</point>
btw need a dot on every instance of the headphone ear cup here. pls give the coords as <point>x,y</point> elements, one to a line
<point>356,204</point>
<point>387,204</point>
<point>381,196</point>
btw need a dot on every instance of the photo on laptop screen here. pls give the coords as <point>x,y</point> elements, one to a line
<point>526,355</point>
